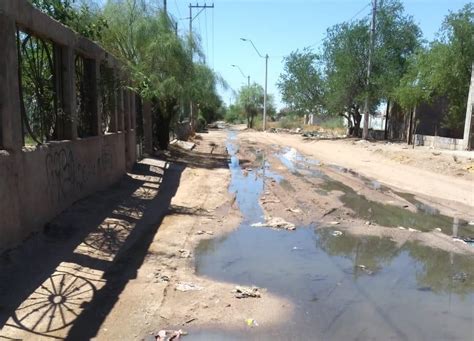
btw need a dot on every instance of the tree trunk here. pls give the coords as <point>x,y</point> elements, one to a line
<point>162,125</point>
<point>385,134</point>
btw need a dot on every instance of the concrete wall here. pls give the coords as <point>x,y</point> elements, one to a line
<point>38,183</point>
<point>439,142</point>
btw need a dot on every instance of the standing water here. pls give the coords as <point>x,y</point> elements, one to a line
<point>342,287</point>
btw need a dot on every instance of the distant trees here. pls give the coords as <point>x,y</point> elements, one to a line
<point>334,82</point>
<point>443,68</point>
<point>301,83</point>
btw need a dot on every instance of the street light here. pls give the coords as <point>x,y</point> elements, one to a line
<point>248,77</point>
<point>266,79</point>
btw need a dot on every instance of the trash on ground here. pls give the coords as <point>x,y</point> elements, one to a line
<point>460,276</point>
<point>168,335</point>
<point>294,210</point>
<point>336,233</point>
<point>187,286</point>
<point>183,144</point>
<point>275,222</point>
<point>459,240</point>
<point>413,230</point>
<point>251,323</point>
<point>184,253</point>
<point>334,223</point>
<point>402,228</point>
<point>365,269</point>
<point>438,229</point>
<point>271,201</point>
<point>200,232</point>
<point>245,292</point>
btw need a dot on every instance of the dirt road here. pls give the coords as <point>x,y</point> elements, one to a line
<point>361,247</point>
<point>433,173</point>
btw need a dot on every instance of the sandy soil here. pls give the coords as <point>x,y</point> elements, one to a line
<point>299,199</point>
<point>109,267</point>
<point>424,171</point>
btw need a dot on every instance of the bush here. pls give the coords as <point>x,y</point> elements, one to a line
<point>201,123</point>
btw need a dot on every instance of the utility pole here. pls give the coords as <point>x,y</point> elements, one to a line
<point>165,7</point>
<point>365,132</point>
<point>191,19</point>
<point>266,81</point>
<point>265,95</point>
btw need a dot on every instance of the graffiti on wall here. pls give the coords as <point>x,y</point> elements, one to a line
<point>68,177</point>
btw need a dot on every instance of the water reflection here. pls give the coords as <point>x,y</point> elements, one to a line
<point>342,287</point>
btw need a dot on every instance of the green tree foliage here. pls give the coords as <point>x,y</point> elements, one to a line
<point>160,62</point>
<point>204,92</point>
<point>250,99</point>
<point>444,68</point>
<point>81,16</point>
<point>397,39</point>
<point>345,58</point>
<point>301,83</point>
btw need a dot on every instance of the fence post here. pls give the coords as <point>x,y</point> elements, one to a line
<point>147,127</point>
<point>113,118</point>
<point>468,141</point>
<point>10,110</point>
<point>120,108</point>
<point>69,100</point>
<point>94,74</point>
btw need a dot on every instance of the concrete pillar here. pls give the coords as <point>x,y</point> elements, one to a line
<point>133,110</point>
<point>114,113</point>
<point>126,104</point>
<point>69,100</point>
<point>94,93</point>
<point>147,127</point>
<point>11,134</point>
<point>120,108</point>
<point>468,141</point>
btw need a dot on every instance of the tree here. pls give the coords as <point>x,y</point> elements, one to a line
<point>428,75</point>
<point>345,65</point>
<point>346,52</point>
<point>301,84</point>
<point>159,61</point>
<point>204,91</point>
<point>250,99</point>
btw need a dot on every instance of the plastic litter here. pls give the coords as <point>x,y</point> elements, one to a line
<point>187,286</point>
<point>251,323</point>
<point>168,335</point>
<point>184,253</point>
<point>336,233</point>
<point>276,222</point>
<point>334,223</point>
<point>365,269</point>
<point>294,210</point>
<point>245,292</point>
<point>201,232</point>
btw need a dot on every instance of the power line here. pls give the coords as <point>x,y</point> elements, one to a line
<point>177,8</point>
<point>213,41</point>
<point>347,21</point>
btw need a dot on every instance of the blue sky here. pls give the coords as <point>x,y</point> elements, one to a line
<point>278,27</point>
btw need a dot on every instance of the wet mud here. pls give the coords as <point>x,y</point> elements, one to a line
<point>342,286</point>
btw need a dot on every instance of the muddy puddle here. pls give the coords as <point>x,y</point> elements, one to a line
<point>426,218</point>
<point>342,287</point>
